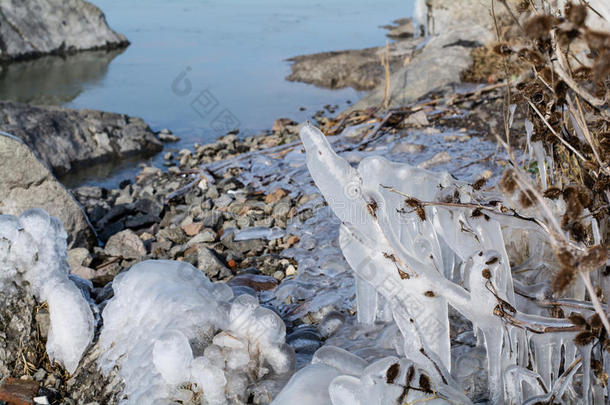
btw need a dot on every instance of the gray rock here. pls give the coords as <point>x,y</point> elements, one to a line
<point>35,27</point>
<point>437,66</point>
<point>406,147</point>
<point>43,320</point>
<point>252,245</point>
<point>205,236</point>
<point>26,183</point>
<point>126,244</point>
<point>211,264</point>
<point>79,257</point>
<point>17,331</point>
<point>68,139</point>
<point>167,136</point>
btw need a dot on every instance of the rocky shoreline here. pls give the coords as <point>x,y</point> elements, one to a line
<point>246,212</point>
<point>204,211</point>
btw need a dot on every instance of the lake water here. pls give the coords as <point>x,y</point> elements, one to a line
<point>198,67</point>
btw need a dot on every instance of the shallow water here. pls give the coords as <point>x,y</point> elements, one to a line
<point>231,55</point>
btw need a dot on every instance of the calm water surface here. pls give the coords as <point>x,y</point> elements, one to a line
<point>200,67</point>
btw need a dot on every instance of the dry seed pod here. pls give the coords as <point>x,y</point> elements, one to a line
<point>392,373</point>
<point>563,279</point>
<point>577,319</point>
<point>527,198</point>
<point>538,26</point>
<point>594,258</point>
<point>576,14</point>
<point>552,193</point>
<point>584,338</point>
<point>508,183</point>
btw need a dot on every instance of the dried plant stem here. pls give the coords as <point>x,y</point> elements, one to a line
<point>385,60</point>
<point>555,133</point>
<point>598,306</point>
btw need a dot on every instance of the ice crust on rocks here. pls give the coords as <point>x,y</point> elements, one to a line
<point>176,336</point>
<point>33,256</point>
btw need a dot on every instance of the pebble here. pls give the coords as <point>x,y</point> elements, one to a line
<point>212,266</point>
<point>291,270</point>
<point>193,228</point>
<point>438,159</point>
<point>257,282</point>
<point>126,244</point>
<point>405,147</point>
<point>279,275</point>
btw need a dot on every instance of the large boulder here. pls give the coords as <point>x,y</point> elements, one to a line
<point>67,139</point>
<point>35,27</point>
<point>438,66</point>
<point>27,183</point>
<point>454,29</point>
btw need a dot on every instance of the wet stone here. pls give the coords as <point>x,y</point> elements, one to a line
<point>18,392</point>
<point>257,282</point>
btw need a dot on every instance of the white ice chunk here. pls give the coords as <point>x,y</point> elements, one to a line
<point>33,251</point>
<point>163,312</point>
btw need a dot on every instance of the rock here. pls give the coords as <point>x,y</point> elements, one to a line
<point>67,139</point>
<point>360,69</point>
<point>404,29</point>
<point>211,265</point>
<point>258,282</point>
<point>35,27</point>
<point>18,392</point>
<point>88,384</point>
<point>165,135</point>
<point>84,272</point>
<point>304,339</point>
<point>26,183</point>
<point>279,275</point>
<point>205,236</point>
<point>251,245</point>
<point>438,159</point>
<point>459,27</point>
<point>175,235</point>
<point>281,123</point>
<point>291,270</point>
<point>405,147</point>
<point>79,257</point>
<point>417,119</point>
<point>193,228</point>
<point>43,321</point>
<point>126,244</point>
<point>275,196</point>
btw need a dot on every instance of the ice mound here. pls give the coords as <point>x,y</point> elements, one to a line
<point>33,251</point>
<point>176,336</point>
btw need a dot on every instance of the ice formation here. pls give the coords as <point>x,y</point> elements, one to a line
<point>176,336</point>
<point>338,377</point>
<point>33,251</point>
<point>419,242</point>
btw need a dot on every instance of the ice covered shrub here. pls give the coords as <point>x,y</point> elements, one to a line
<point>33,259</point>
<point>419,241</point>
<point>177,337</point>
